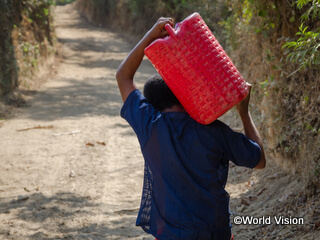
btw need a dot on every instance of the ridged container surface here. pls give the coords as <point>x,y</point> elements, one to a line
<point>197,70</point>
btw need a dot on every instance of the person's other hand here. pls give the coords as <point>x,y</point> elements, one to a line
<point>243,106</point>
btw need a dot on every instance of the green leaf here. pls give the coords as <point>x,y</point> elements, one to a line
<point>46,11</point>
<point>264,83</point>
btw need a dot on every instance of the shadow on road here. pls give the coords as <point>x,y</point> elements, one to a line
<point>60,215</point>
<point>76,99</point>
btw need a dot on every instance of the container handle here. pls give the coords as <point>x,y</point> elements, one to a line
<point>170,30</point>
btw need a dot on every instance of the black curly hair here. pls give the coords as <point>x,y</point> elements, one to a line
<point>157,92</point>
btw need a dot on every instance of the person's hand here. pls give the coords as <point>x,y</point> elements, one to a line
<point>250,129</point>
<point>131,63</point>
<point>158,30</point>
<point>243,106</point>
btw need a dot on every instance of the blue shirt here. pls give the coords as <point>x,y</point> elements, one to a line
<point>186,169</point>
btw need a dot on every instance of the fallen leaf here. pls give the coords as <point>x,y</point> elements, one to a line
<point>250,183</point>
<point>37,127</point>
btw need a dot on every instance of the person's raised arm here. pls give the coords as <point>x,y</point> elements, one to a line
<point>130,65</point>
<point>250,129</point>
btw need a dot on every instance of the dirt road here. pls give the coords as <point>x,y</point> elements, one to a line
<point>71,168</point>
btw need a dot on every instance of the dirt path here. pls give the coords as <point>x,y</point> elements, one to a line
<point>71,168</point>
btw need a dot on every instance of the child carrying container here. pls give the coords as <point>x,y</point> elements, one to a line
<point>186,162</point>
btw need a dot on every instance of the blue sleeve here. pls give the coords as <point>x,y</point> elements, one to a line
<point>139,113</point>
<point>241,150</point>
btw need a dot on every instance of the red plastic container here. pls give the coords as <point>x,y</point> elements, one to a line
<point>197,70</point>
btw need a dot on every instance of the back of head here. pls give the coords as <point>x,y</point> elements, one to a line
<point>157,92</point>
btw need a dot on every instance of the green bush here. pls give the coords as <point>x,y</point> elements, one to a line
<point>305,50</point>
<point>19,17</point>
